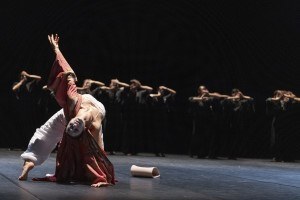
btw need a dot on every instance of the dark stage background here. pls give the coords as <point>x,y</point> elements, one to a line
<point>252,45</point>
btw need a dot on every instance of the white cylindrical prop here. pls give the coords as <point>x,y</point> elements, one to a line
<point>150,172</point>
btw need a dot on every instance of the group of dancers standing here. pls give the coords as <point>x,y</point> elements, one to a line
<point>222,124</point>
<point>136,115</point>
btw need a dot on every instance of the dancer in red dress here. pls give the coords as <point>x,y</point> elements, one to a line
<point>80,157</point>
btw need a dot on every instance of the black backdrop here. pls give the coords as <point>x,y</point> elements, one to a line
<point>251,45</point>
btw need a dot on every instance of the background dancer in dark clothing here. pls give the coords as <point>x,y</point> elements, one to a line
<point>134,99</point>
<point>203,133</point>
<point>240,108</point>
<point>279,109</point>
<point>160,106</point>
<point>47,105</point>
<point>113,123</point>
<point>87,86</point>
<point>26,92</point>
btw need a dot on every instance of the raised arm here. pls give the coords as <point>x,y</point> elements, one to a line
<point>60,67</point>
<point>167,89</point>
<point>292,96</point>
<point>275,98</point>
<point>145,87</point>
<point>98,83</point>
<point>194,99</point>
<point>18,85</point>
<point>36,77</point>
<point>240,95</point>
<point>217,95</point>
<point>198,98</point>
<point>54,39</point>
<point>244,96</point>
<point>155,95</point>
<point>88,83</point>
<point>122,84</point>
<point>106,88</point>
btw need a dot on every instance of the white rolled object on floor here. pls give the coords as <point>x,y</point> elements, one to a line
<point>150,172</point>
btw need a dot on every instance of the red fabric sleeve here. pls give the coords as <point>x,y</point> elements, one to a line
<point>64,91</point>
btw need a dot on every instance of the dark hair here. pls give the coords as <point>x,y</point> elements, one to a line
<point>235,90</point>
<point>135,81</point>
<point>277,92</point>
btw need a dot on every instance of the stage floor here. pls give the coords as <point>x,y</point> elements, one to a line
<point>182,177</point>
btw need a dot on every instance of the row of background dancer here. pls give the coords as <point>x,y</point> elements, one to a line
<point>219,121</point>
<point>283,110</point>
<point>137,120</point>
<point>227,123</point>
<point>26,93</point>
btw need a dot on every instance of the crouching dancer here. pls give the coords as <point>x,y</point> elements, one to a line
<point>80,157</point>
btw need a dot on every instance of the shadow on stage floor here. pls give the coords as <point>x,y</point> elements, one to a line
<point>182,177</point>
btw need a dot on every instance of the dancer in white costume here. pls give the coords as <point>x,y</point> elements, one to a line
<point>91,112</point>
<point>47,136</point>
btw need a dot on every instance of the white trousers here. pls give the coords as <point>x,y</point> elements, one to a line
<point>45,139</point>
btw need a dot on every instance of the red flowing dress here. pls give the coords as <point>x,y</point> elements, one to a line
<point>78,159</point>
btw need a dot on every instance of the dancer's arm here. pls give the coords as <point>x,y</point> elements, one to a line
<point>54,39</point>
<point>217,95</point>
<point>122,84</point>
<point>145,87</point>
<point>88,83</point>
<point>240,95</point>
<point>292,96</point>
<point>274,98</point>
<point>155,95</point>
<point>23,80</point>
<point>297,99</point>
<point>105,88</point>
<point>244,96</point>
<point>98,83</point>
<point>198,98</point>
<point>36,77</point>
<point>167,89</point>
<point>18,85</point>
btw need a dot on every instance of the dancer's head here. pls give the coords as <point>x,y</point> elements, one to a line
<point>114,84</point>
<point>75,127</point>
<point>235,92</point>
<point>72,79</point>
<point>23,76</point>
<point>161,90</point>
<point>87,83</point>
<point>202,90</point>
<point>278,94</point>
<point>135,84</point>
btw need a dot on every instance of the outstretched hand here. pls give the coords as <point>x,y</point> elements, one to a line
<point>53,39</point>
<point>162,87</point>
<point>291,96</point>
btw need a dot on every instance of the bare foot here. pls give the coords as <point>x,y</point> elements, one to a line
<point>28,165</point>
<point>100,184</point>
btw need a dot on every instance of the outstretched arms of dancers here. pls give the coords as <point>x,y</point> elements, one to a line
<point>236,94</point>
<point>88,83</point>
<point>163,90</point>
<point>291,95</point>
<point>24,76</point>
<point>204,94</point>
